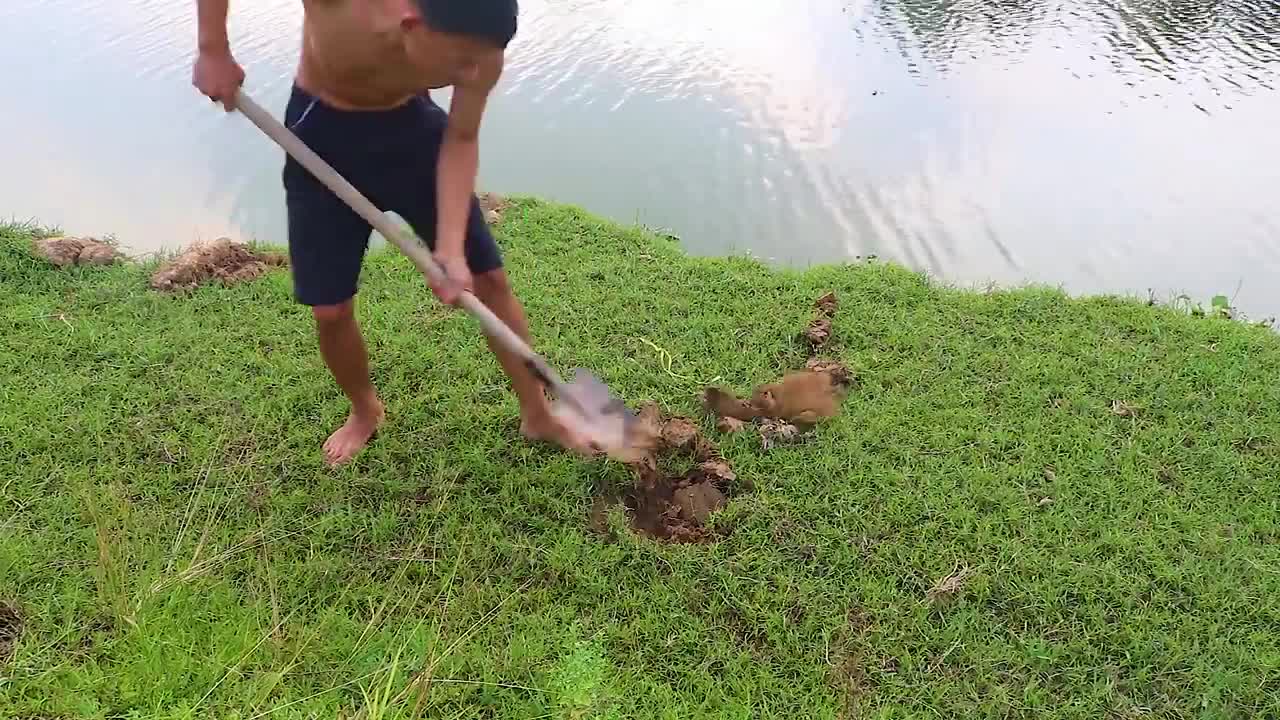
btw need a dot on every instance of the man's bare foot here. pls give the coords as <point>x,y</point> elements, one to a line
<point>542,426</point>
<point>351,438</point>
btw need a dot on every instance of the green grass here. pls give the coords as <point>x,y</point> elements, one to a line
<point>176,548</point>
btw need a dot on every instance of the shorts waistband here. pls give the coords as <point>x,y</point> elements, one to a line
<point>304,104</point>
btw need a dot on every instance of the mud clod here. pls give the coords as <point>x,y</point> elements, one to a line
<point>675,507</point>
<point>718,469</point>
<point>10,629</point>
<point>221,260</point>
<point>67,251</point>
<point>777,432</point>
<point>695,503</point>
<point>819,330</point>
<point>492,205</point>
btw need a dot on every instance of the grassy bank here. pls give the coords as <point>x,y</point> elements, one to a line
<point>1102,475</point>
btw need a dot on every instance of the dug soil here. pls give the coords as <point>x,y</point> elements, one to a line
<point>221,261</point>
<point>67,251</point>
<point>675,506</point>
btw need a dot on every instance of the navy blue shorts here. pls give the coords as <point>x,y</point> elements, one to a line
<point>390,157</point>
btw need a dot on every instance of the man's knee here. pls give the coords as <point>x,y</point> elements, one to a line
<point>492,284</point>
<point>327,316</point>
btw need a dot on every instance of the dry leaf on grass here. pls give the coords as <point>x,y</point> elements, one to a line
<point>1123,409</point>
<point>950,585</point>
<point>775,432</point>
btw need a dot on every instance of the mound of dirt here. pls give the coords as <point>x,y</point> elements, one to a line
<point>221,260</point>
<point>675,508</point>
<point>67,251</point>
<point>492,205</point>
<point>10,629</point>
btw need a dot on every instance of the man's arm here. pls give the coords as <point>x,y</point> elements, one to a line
<point>460,159</point>
<point>216,72</point>
<point>211,25</point>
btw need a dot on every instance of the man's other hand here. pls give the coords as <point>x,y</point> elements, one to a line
<point>457,278</point>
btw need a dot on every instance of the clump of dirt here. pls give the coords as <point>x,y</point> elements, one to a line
<point>785,410</point>
<point>492,205</point>
<point>676,507</point>
<point>10,629</point>
<point>221,260</point>
<point>819,330</point>
<point>66,251</point>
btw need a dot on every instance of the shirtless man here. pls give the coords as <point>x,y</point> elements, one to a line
<point>360,100</point>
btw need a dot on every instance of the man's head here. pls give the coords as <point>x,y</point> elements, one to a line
<point>457,36</point>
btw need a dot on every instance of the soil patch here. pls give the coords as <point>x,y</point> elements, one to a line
<point>675,506</point>
<point>10,629</point>
<point>67,251</point>
<point>221,260</point>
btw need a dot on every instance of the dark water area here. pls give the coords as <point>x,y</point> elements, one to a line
<point>1104,146</point>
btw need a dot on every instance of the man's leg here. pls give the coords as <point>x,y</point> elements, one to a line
<point>412,194</point>
<point>536,422</point>
<point>344,353</point>
<point>327,242</point>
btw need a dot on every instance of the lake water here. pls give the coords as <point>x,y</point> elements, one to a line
<point>1103,145</point>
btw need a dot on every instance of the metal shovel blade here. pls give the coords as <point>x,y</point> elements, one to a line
<point>590,410</point>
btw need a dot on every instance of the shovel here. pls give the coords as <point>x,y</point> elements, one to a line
<point>585,405</point>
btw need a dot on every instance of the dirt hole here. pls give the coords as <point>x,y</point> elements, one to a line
<point>10,629</point>
<point>669,504</point>
<point>221,260</point>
